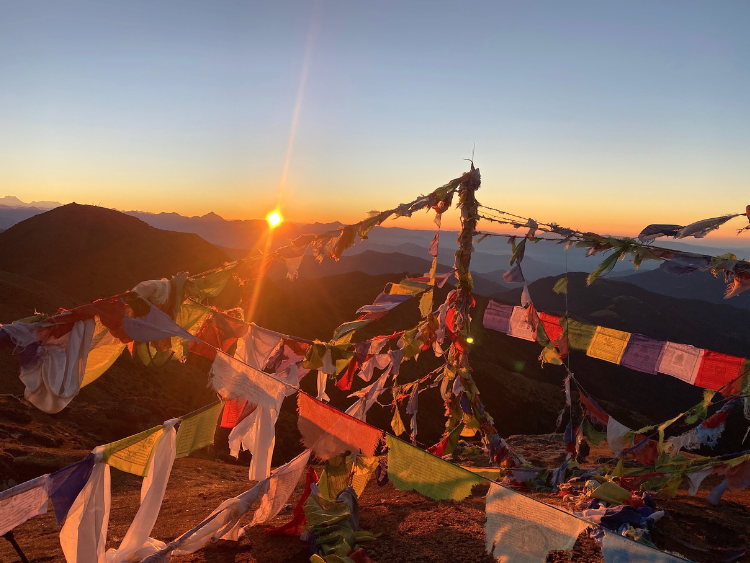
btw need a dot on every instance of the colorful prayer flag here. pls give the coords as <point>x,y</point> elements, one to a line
<point>497,316</point>
<point>608,344</point>
<point>716,370</point>
<point>132,454</point>
<point>197,429</point>
<point>681,361</point>
<point>643,353</point>
<point>520,327</point>
<point>522,530</point>
<point>330,432</point>
<point>410,468</point>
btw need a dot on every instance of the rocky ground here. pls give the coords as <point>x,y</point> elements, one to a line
<point>412,528</point>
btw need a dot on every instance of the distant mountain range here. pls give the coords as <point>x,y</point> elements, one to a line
<point>13,201</point>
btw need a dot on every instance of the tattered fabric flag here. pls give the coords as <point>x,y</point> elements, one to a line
<point>83,537</point>
<point>700,229</point>
<point>740,284</point>
<point>257,346</point>
<point>137,543</point>
<point>329,432</point>
<point>22,502</point>
<point>523,530</point>
<point>396,423</point>
<point>218,331</point>
<point>681,361</point>
<point>281,485</point>
<point>593,409</point>
<point>55,376</point>
<point>685,263</point>
<point>104,350</point>
<point>619,549</point>
<point>153,326</point>
<point>65,484</point>
<point>411,408</point>
<point>368,397</point>
<point>520,327</point>
<point>717,370</point>
<point>643,353</point>
<point>497,316</point>
<point>653,232</point>
<point>197,429</point>
<point>561,286</point>
<point>615,435</point>
<point>608,344</point>
<point>133,454</point>
<point>410,468</point>
<point>515,274</point>
<point>222,523</point>
<point>294,526</point>
<point>448,444</point>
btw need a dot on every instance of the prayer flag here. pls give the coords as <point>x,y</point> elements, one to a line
<point>232,412</point>
<point>681,361</point>
<point>716,370</point>
<point>410,468</point>
<point>329,432</point>
<point>22,502</point>
<point>83,537</point>
<point>197,429</point>
<point>281,485</point>
<point>523,530</point>
<point>643,353</point>
<point>580,334</point>
<point>619,549</point>
<point>65,484</point>
<point>497,316</point>
<point>520,327</point>
<point>551,326</point>
<point>608,344</point>
<point>132,454</point>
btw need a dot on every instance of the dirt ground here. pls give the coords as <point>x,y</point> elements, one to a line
<point>412,528</point>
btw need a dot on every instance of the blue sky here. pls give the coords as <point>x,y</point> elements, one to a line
<point>598,115</point>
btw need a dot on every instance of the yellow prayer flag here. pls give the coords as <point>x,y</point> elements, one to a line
<point>132,454</point>
<point>104,351</point>
<point>197,429</point>
<point>608,344</point>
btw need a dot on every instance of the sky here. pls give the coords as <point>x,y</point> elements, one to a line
<point>596,115</point>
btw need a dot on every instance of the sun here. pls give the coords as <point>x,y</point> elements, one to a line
<point>274,219</point>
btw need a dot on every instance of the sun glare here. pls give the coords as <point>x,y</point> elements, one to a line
<point>274,219</point>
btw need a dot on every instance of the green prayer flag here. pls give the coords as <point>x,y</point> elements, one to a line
<point>592,435</point>
<point>197,429</point>
<point>580,334</point>
<point>133,454</point>
<point>561,286</point>
<point>349,327</point>
<point>410,468</point>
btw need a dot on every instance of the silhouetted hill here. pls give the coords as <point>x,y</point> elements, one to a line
<point>91,252</point>
<point>696,285</point>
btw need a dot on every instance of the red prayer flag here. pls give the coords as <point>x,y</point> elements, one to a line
<point>717,369</point>
<point>551,326</point>
<point>330,432</point>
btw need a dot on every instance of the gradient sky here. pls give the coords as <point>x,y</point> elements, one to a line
<point>598,115</point>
